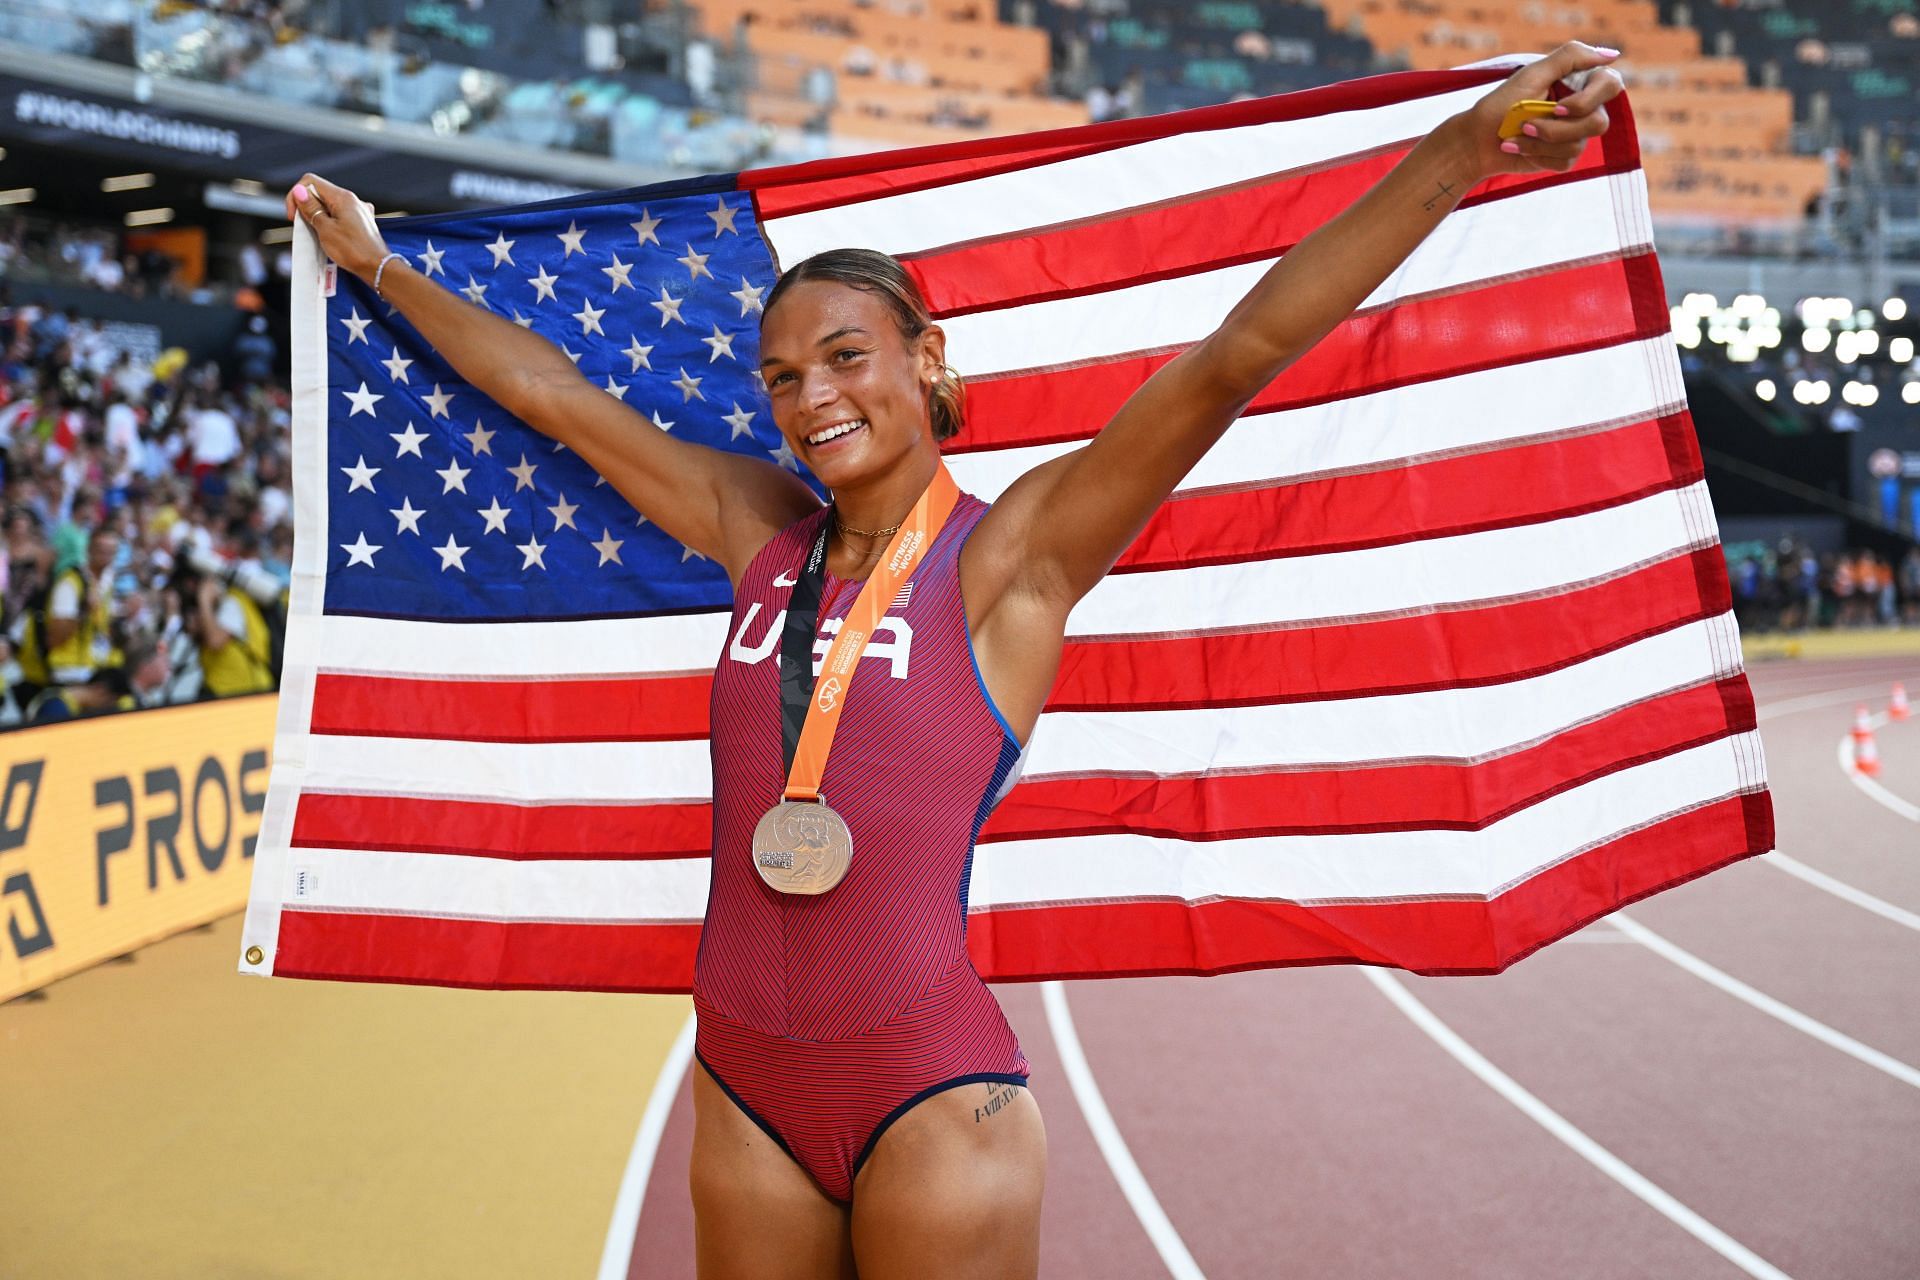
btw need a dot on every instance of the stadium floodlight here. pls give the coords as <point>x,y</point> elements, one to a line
<point>1765,389</point>
<point>128,182</point>
<point>1894,309</point>
<point>1748,304</point>
<point>1911,393</point>
<point>1900,350</point>
<point>1816,340</point>
<point>1700,304</point>
<point>1854,392</point>
<point>1818,392</point>
<point>149,217</point>
<point>1867,341</point>
<point>1846,347</point>
<point>18,195</point>
<point>1869,395</point>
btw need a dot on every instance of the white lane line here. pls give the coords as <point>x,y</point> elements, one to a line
<point>1765,1003</point>
<point>1816,700</point>
<point>1560,1127</point>
<point>617,1256</point>
<point>1841,889</point>
<point>1173,1252</point>
<point>1875,792</point>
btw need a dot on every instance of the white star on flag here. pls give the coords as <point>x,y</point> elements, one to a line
<point>397,367</point>
<point>454,477</point>
<point>571,238</point>
<point>525,322</point>
<point>408,517</point>
<point>475,291</point>
<point>722,215</point>
<point>496,517</point>
<point>645,228</point>
<point>570,354</point>
<point>696,264</point>
<point>438,401</point>
<point>589,319</point>
<point>719,344</point>
<point>363,400</point>
<point>689,386</point>
<point>542,284</point>
<point>784,456</point>
<point>618,273</point>
<point>502,250</point>
<point>430,261</point>
<point>660,423</point>
<point>638,354</point>
<point>747,295</point>
<point>688,553</point>
<point>668,307</point>
<point>740,420</point>
<point>361,475</point>
<point>533,549</point>
<point>356,326</point>
<point>408,442</point>
<point>608,547</point>
<point>480,440</point>
<point>562,513</point>
<point>360,551</point>
<point>617,390</point>
<point>523,474</point>
<point>452,556</point>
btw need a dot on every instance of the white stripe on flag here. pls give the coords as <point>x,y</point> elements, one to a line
<point>1088,186</point>
<point>1475,245</point>
<point>1368,866</point>
<point>1614,384</point>
<point>1455,724</point>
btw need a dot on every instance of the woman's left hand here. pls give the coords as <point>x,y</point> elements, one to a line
<point>1549,142</point>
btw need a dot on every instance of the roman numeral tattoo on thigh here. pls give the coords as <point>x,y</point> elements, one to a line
<point>999,1095</point>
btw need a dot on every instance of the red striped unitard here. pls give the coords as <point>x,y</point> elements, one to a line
<point>826,1018</point>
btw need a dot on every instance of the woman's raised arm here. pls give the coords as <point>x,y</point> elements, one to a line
<point>1059,528</point>
<point>723,505</point>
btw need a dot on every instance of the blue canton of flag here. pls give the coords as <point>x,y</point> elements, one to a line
<point>442,506</point>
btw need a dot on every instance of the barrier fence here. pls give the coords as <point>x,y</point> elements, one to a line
<point>124,830</point>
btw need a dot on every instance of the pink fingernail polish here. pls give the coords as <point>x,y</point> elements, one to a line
<point>1562,111</point>
<point>1511,147</point>
<point>1530,130</point>
<point>301,193</point>
<point>1602,49</point>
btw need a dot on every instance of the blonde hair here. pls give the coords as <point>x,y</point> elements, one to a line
<point>881,273</point>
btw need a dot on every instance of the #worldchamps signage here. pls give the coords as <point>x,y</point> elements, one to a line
<point>57,116</point>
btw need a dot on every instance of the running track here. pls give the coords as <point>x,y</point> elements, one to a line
<point>1725,1083</point>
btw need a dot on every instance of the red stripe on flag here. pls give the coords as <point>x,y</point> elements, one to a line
<point>664,708</point>
<point>815,184</point>
<point>483,829</point>
<point>1443,649</point>
<point>1470,493</point>
<point>1441,936</point>
<point>1580,308</point>
<point>1202,232</point>
<point>1394,797</point>
<point>348,947</point>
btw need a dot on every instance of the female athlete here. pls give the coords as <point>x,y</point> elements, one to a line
<point>859,1103</point>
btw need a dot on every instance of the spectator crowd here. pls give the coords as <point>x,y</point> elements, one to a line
<point>147,518</point>
<point>1790,587</point>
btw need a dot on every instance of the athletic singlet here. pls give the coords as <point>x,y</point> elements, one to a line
<point>825,1018</point>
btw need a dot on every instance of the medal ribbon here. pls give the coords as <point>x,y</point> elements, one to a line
<point>811,714</point>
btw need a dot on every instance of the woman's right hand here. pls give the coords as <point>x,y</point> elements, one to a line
<point>342,221</point>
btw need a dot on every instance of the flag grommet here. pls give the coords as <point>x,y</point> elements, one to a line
<point>255,955</point>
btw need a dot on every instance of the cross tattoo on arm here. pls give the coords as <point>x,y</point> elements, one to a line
<point>1446,189</point>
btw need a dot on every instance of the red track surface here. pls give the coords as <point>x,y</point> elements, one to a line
<point>1295,1123</point>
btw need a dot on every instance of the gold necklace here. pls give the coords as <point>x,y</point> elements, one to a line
<point>844,527</point>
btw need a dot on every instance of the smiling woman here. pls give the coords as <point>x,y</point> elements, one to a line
<point>861,1098</point>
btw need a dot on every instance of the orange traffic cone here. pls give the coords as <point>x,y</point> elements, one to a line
<point>1897,708</point>
<point>1866,756</point>
<point>1862,725</point>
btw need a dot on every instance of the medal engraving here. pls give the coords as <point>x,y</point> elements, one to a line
<point>801,846</point>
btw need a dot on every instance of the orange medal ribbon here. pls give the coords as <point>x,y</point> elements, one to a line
<point>903,555</point>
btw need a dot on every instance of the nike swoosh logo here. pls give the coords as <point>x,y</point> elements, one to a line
<point>785,580</point>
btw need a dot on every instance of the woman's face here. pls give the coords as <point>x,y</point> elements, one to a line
<point>849,392</point>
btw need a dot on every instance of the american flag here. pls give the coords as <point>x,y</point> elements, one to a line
<point>1428,663</point>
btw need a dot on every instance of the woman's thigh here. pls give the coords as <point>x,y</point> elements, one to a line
<point>952,1189</point>
<point>756,1214</point>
